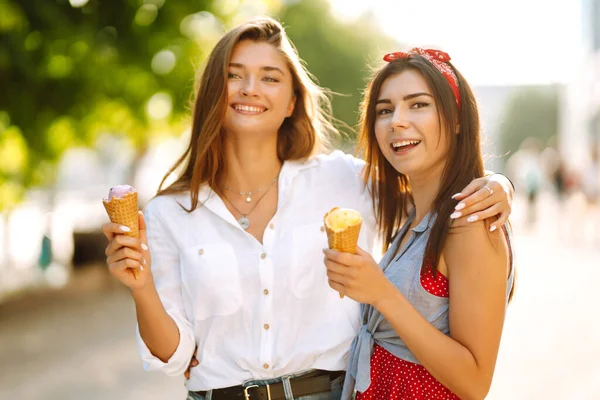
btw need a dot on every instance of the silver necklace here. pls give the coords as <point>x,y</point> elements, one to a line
<point>248,195</point>
<point>244,221</point>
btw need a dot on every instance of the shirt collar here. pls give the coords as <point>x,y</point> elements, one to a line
<point>426,223</point>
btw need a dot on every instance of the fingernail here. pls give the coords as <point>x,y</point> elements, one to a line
<point>141,267</point>
<point>493,228</point>
<point>459,206</point>
<point>472,218</point>
<point>140,212</point>
<point>324,250</point>
<point>125,228</point>
<point>455,215</point>
<point>144,246</point>
<point>144,260</point>
<point>456,195</point>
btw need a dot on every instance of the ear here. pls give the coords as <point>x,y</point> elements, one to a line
<point>291,106</point>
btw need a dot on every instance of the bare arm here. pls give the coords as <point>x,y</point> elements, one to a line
<point>464,361</point>
<point>157,328</point>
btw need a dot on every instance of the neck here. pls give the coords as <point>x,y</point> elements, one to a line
<point>250,165</point>
<point>425,187</point>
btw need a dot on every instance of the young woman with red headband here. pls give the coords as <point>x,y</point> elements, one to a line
<point>231,251</point>
<point>434,308</point>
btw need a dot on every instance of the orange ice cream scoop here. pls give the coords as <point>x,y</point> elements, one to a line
<point>343,228</point>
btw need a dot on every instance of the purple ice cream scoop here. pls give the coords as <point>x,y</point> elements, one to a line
<point>119,191</point>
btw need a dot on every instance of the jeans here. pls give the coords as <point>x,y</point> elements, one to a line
<point>335,393</point>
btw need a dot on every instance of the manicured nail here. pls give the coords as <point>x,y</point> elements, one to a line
<point>144,246</point>
<point>472,218</point>
<point>455,215</point>
<point>459,206</point>
<point>140,212</point>
<point>493,228</point>
<point>141,268</point>
<point>456,195</point>
<point>125,228</point>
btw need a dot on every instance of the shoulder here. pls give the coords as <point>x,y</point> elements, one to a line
<point>166,205</point>
<point>340,160</point>
<point>473,243</point>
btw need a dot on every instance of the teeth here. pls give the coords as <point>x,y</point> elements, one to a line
<point>405,143</point>
<point>241,107</point>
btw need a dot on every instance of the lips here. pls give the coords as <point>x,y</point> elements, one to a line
<point>249,109</point>
<point>403,146</point>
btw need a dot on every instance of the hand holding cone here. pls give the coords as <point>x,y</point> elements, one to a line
<point>122,208</point>
<point>343,228</point>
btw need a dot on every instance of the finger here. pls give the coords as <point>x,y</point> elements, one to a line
<point>469,189</point>
<point>121,241</point>
<point>337,287</point>
<point>479,195</point>
<point>341,258</point>
<point>144,237</point>
<point>500,222</point>
<point>120,266</point>
<point>491,212</point>
<point>337,278</point>
<point>187,373</point>
<point>335,267</point>
<point>477,207</point>
<point>110,229</point>
<point>123,254</point>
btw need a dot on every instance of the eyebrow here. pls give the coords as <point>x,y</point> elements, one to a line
<point>407,97</point>
<point>267,68</point>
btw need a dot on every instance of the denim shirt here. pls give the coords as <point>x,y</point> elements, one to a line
<point>404,271</point>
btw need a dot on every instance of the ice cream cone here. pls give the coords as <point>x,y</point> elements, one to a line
<point>124,211</point>
<point>343,228</point>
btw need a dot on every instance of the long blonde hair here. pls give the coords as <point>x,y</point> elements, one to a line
<point>304,133</point>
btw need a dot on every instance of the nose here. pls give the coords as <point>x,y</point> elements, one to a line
<point>400,119</point>
<point>249,88</point>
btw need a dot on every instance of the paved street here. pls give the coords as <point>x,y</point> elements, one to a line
<point>78,343</point>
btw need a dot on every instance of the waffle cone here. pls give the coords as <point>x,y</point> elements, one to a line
<point>124,211</point>
<point>344,241</point>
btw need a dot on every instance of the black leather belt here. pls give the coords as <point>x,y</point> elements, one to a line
<point>315,382</point>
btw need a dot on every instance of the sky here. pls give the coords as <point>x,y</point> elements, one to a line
<point>507,42</point>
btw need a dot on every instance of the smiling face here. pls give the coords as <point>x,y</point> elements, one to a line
<point>418,145</point>
<point>260,90</point>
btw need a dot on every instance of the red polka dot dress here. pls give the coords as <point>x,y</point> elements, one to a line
<point>395,378</point>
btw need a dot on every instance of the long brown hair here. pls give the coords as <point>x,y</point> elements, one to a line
<point>302,134</point>
<point>391,190</point>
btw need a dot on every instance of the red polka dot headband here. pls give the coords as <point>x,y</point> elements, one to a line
<point>438,58</point>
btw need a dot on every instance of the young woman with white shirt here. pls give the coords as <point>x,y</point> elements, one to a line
<point>229,255</point>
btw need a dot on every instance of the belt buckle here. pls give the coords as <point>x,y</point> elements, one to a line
<point>247,395</point>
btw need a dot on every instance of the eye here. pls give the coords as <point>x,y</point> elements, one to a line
<point>232,75</point>
<point>420,104</point>
<point>384,111</point>
<point>270,79</point>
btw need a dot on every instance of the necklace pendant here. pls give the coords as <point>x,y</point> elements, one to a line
<point>248,199</point>
<point>244,222</point>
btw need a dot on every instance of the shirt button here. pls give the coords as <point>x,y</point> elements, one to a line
<point>266,291</point>
<point>201,251</point>
<point>272,226</point>
<point>266,366</point>
<point>322,229</point>
<point>263,255</point>
<point>266,326</point>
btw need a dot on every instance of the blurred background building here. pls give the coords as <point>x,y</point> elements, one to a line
<point>98,93</point>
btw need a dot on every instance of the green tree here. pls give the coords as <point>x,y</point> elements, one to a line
<point>530,112</point>
<point>339,54</point>
<point>70,72</point>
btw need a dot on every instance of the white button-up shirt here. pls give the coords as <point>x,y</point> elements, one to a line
<point>257,310</point>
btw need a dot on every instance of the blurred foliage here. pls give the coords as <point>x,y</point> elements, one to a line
<point>338,54</point>
<point>530,112</point>
<point>71,70</point>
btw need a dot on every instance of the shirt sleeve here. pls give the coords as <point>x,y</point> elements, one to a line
<point>167,279</point>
